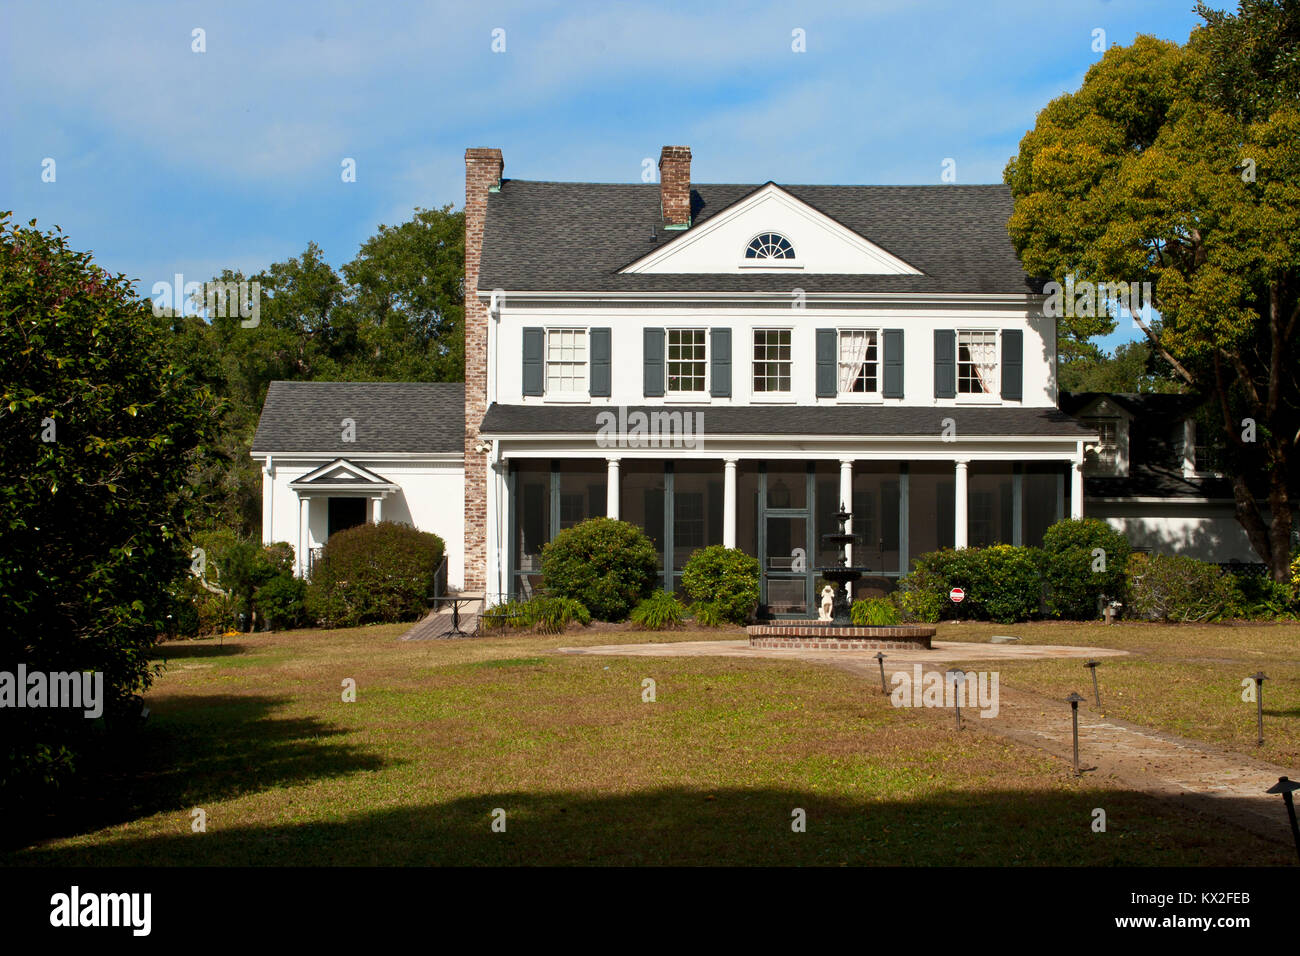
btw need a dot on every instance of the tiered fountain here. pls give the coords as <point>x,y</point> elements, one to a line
<point>835,630</point>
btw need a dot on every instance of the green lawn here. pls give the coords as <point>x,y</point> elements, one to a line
<point>442,733</point>
<point>1183,678</point>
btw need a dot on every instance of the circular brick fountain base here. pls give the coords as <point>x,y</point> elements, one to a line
<point>810,635</point>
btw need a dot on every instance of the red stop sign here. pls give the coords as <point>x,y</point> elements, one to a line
<point>957,595</point>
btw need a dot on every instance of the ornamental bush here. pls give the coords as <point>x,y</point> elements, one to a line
<point>282,602</point>
<point>605,565</point>
<point>1174,587</point>
<point>659,611</point>
<point>874,612</point>
<point>1083,565</point>
<point>1003,583</point>
<point>726,579</point>
<point>374,574</point>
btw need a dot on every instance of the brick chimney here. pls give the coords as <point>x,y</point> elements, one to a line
<point>675,186</point>
<point>483,168</point>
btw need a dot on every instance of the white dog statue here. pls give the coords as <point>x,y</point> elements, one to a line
<point>828,604</point>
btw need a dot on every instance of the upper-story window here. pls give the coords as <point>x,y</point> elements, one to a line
<point>566,361</point>
<point>1103,458</point>
<point>977,362</point>
<point>769,245</point>
<point>771,360</point>
<point>859,362</point>
<point>687,361</point>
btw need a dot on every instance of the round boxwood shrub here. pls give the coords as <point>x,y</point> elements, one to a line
<point>1003,583</point>
<point>726,579</point>
<point>1083,564</point>
<point>374,574</point>
<point>607,566</point>
<point>282,602</point>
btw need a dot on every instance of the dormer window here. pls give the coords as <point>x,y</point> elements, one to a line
<point>769,245</point>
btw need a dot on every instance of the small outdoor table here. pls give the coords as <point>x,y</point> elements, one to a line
<point>456,603</point>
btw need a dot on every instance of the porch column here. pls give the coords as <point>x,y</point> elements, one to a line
<point>959,505</point>
<point>846,498</point>
<point>611,489</point>
<point>729,502</point>
<point>379,508</point>
<point>304,534</point>
<point>1076,487</point>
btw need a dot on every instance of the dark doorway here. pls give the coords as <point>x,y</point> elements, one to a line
<point>346,513</point>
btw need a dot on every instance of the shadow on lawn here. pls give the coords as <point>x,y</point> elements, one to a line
<point>192,752</point>
<point>183,650</point>
<point>684,826</point>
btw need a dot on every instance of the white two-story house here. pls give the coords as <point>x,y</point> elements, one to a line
<point>732,364</point>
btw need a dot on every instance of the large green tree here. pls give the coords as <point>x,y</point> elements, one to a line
<point>1179,165</point>
<point>99,430</point>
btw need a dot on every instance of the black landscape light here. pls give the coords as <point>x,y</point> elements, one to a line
<point>1259,677</point>
<point>1287,787</point>
<point>1096,694</point>
<point>956,675</point>
<point>1075,700</point>
<point>880,656</point>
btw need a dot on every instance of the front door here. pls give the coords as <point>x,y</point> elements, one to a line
<point>785,539</point>
<point>346,513</point>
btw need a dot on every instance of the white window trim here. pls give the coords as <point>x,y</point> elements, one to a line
<point>772,398</point>
<point>688,398</point>
<point>565,398</point>
<point>983,398</point>
<point>861,398</point>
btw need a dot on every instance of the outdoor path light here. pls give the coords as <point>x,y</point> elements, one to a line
<point>956,675</point>
<point>1075,700</point>
<point>1286,788</point>
<point>880,656</point>
<point>1259,677</point>
<point>1096,694</point>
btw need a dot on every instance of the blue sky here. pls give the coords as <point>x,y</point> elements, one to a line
<point>168,160</point>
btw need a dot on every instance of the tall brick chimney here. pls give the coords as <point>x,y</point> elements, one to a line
<point>675,186</point>
<point>483,168</point>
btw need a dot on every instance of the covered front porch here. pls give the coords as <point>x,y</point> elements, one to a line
<point>335,496</point>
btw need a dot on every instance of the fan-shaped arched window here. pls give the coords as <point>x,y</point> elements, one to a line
<point>769,245</point>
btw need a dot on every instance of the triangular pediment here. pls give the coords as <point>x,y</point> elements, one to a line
<point>814,243</point>
<point>341,473</point>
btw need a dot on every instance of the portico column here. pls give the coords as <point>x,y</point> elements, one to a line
<point>304,533</point>
<point>379,508</point>
<point>1076,487</point>
<point>959,505</point>
<point>729,503</point>
<point>611,490</point>
<point>846,499</point>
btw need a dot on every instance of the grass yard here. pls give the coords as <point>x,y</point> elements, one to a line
<point>1183,678</point>
<point>442,733</point>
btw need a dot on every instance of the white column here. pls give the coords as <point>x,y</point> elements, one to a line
<point>959,506</point>
<point>304,533</point>
<point>611,488</point>
<point>846,497</point>
<point>268,501</point>
<point>1076,487</point>
<point>729,502</point>
<point>379,508</point>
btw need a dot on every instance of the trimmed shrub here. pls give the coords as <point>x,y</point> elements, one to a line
<point>282,602</point>
<point>1173,587</point>
<point>607,566</point>
<point>544,614</point>
<point>874,612</point>
<point>726,578</point>
<point>659,611</point>
<point>374,574</point>
<point>1078,578</point>
<point>1003,583</point>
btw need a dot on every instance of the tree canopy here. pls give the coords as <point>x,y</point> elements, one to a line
<point>1179,165</point>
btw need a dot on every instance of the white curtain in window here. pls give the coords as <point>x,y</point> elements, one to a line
<point>853,357</point>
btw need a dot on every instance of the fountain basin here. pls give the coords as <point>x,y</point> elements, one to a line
<point>832,636</point>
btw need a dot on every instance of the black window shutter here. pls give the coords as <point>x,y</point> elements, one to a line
<point>600,363</point>
<point>892,385</point>
<point>1013,364</point>
<point>720,363</point>
<point>945,363</point>
<point>825,363</point>
<point>654,363</point>
<point>534,382</point>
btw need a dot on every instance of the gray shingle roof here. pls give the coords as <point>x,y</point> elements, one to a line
<point>410,417</point>
<point>872,421</point>
<point>574,237</point>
